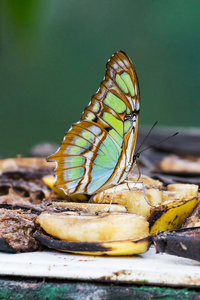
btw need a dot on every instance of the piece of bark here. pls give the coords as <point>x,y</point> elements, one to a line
<point>13,164</point>
<point>182,242</point>
<point>16,231</point>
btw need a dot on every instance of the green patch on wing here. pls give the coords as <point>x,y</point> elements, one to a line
<point>82,143</point>
<point>90,116</point>
<point>113,122</point>
<point>128,81</point>
<point>98,178</point>
<point>103,161</point>
<point>113,148</point>
<point>115,103</point>
<point>96,107</point>
<point>75,173</point>
<point>87,135</point>
<point>127,125</point>
<point>73,150</point>
<point>128,111</point>
<point>116,137</point>
<point>121,83</point>
<point>76,161</point>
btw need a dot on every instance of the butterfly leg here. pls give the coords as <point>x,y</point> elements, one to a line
<point>103,194</point>
<point>112,197</point>
<point>137,165</point>
<point>128,186</point>
<point>143,188</point>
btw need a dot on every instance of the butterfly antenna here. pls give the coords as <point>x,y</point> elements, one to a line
<point>169,137</point>
<point>146,136</point>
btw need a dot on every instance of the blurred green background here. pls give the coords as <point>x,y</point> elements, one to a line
<point>53,56</point>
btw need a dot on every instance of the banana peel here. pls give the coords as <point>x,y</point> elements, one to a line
<point>179,202</point>
<point>171,215</point>
<point>112,248</point>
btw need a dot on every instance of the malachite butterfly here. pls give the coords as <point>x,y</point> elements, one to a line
<point>97,152</point>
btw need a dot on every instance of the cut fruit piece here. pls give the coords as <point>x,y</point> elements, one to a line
<point>85,207</point>
<point>184,191</point>
<point>95,232</point>
<point>123,247</point>
<point>174,163</point>
<point>136,200</point>
<point>162,215</point>
<point>89,227</point>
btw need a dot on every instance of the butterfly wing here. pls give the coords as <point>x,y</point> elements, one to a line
<point>97,152</point>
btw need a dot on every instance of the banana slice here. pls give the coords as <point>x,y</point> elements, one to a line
<point>133,197</point>
<point>111,233</point>
<point>88,227</point>
<point>165,209</point>
<point>180,191</point>
<point>85,207</point>
<point>174,163</point>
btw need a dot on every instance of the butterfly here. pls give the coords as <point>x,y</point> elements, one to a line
<point>98,151</point>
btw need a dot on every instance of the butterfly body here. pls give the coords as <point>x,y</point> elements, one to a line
<point>97,152</point>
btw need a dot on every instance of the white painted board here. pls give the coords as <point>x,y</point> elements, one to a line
<point>147,268</point>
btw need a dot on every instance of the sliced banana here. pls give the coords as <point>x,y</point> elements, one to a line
<point>180,191</point>
<point>86,207</point>
<point>140,201</point>
<point>164,208</point>
<point>87,227</point>
<point>133,197</point>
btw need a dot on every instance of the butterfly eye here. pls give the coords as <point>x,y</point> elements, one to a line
<point>137,155</point>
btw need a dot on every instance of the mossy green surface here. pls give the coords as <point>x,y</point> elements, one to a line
<point>23,288</point>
